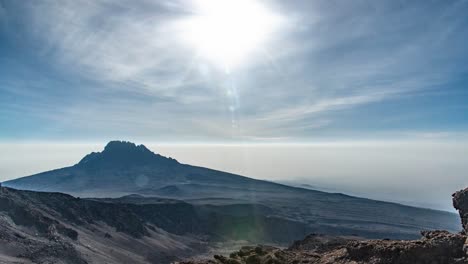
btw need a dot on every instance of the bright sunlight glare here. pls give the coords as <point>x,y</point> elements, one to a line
<point>227,32</point>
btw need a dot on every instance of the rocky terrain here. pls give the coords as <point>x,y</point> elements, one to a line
<point>45,227</point>
<point>435,247</point>
<point>124,168</point>
<point>41,227</point>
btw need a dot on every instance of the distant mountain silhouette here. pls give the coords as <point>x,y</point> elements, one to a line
<point>123,154</point>
<point>124,168</point>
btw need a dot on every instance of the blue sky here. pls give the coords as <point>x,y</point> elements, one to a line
<point>362,97</point>
<point>95,70</point>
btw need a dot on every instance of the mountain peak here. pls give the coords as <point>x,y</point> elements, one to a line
<point>124,146</point>
<point>124,154</point>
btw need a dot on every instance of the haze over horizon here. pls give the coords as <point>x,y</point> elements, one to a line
<point>288,73</point>
<point>382,170</point>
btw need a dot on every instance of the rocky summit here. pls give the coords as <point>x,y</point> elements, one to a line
<point>124,154</point>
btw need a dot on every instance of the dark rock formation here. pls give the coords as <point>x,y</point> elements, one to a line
<point>434,247</point>
<point>321,243</point>
<point>460,202</point>
<point>438,247</point>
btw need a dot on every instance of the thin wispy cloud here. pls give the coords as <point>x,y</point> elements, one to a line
<point>384,79</point>
<point>122,68</point>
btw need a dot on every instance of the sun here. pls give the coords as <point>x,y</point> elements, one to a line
<point>228,32</point>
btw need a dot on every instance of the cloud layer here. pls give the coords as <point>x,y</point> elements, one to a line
<point>103,69</point>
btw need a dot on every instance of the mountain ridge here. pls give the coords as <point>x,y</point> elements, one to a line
<point>124,168</point>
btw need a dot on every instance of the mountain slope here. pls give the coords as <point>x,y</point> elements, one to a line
<point>58,228</point>
<point>123,168</point>
<point>40,227</point>
<point>49,227</point>
<point>439,247</point>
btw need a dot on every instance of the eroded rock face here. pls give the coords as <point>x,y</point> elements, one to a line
<point>433,247</point>
<point>460,202</point>
<point>321,243</point>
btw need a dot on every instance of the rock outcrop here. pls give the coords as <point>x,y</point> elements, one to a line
<point>460,202</point>
<point>438,247</point>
